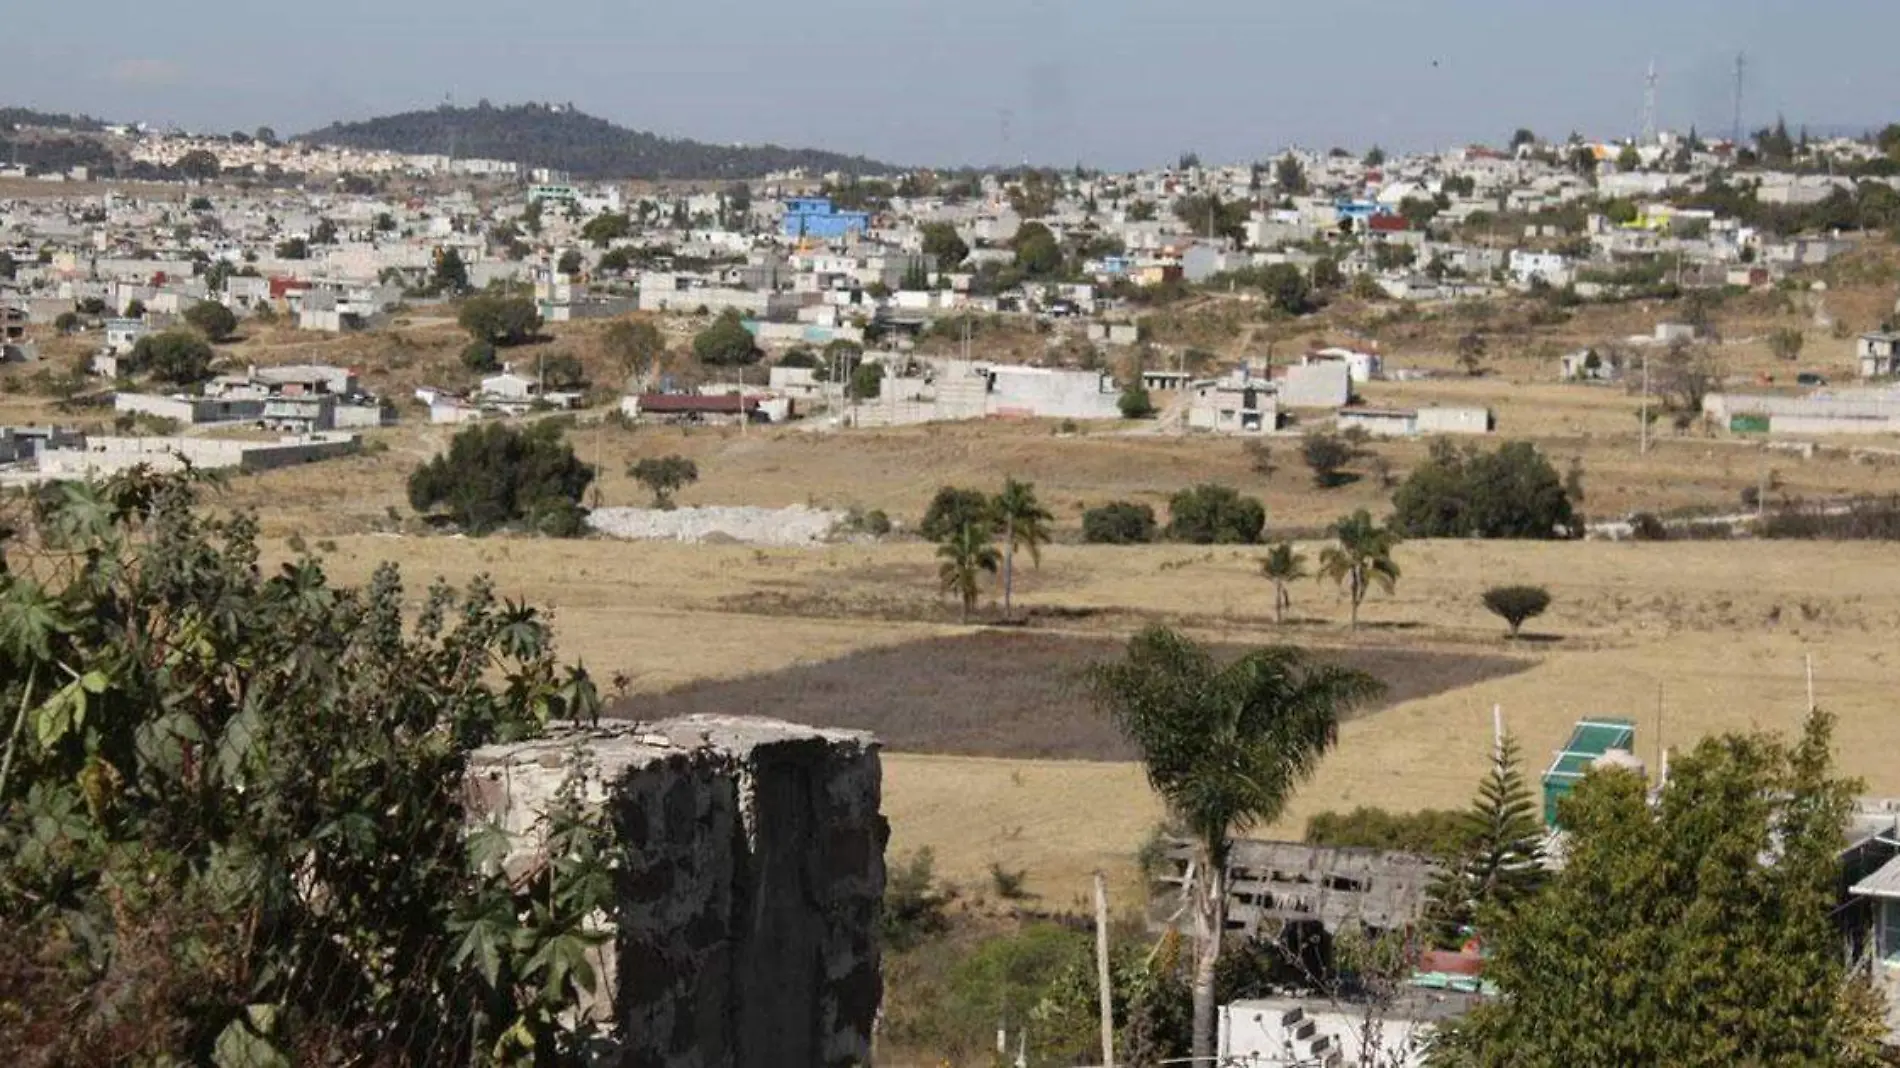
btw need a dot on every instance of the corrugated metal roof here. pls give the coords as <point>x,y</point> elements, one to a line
<point>1882,883</point>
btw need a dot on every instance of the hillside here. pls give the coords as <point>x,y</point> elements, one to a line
<point>11,117</point>
<point>541,135</point>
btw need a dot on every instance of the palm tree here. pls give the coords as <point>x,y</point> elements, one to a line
<point>966,554</point>
<point>1361,559</point>
<point>1224,746</point>
<point>1025,522</point>
<point>1282,565</point>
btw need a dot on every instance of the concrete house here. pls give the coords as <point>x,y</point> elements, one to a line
<point>1878,354</point>
<point>1236,404</point>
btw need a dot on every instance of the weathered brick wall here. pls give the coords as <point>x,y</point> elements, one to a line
<point>752,871</point>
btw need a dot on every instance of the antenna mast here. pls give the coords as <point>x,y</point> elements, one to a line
<point>1649,105</point>
<point>1741,71</point>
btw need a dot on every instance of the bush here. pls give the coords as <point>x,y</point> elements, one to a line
<point>480,357</point>
<point>914,902</point>
<point>726,343</point>
<point>1866,519</point>
<point>1430,832</point>
<point>179,357</point>
<point>1327,454</point>
<point>873,522</point>
<point>1119,523</point>
<point>663,475</point>
<point>1515,604</point>
<point>260,819</point>
<point>952,509</point>
<point>1645,526</point>
<point>497,473</point>
<point>1135,403</point>
<point>1511,493</point>
<point>1009,885</point>
<point>213,320</point>
<point>501,321</point>
<point>1212,514</point>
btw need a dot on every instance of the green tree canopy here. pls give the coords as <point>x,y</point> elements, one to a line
<point>963,556</point>
<point>1119,523</point>
<point>1516,604</point>
<point>1037,252</point>
<point>494,474</point>
<point>1513,492</point>
<point>944,247</point>
<point>1225,747</point>
<point>1360,558</point>
<point>1213,514</point>
<point>1286,288</point>
<point>242,791</point>
<point>1024,523</point>
<point>605,228</point>
<point>1283,565</point>
<point>663,475</point>
<point>449,274</point>
<point>1499,862</point>
<point>636,347</point>
<point>726,342</point>
<point>499,320</point>
<point>1135,401</point>
<point>215,321</point>
<point>179,357</point>
<point>954,507</point>
<point>1694,931</point>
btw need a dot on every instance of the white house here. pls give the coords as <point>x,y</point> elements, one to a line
<point>1550,267</point>
<point>1361,367</point>
<point>1878,354</point>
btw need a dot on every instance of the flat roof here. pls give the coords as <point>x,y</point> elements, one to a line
<point>1590,739</point>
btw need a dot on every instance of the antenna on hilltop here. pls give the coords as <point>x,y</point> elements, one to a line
<point>1741,72</point>
<point>1649,105</point>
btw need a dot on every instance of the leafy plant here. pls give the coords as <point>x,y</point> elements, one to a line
<point>1283,565</point>
<point>1119,523</point>
<point>664,475</point>
<point>1515,604</point>
<point>1212,514</point>
<point>964,556</point>
<point>231,803</point>
<point>1360,558</point>
<point>496,473</point>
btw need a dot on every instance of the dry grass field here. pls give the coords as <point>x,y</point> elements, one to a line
<point>1699,636</point>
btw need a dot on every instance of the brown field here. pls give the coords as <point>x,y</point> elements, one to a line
<point>1718,631</point>
<point>1002,694</point>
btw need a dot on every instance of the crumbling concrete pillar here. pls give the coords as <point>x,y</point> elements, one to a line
<point>751,857</point>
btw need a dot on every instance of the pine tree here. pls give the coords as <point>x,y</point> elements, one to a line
<point>1502,863</point>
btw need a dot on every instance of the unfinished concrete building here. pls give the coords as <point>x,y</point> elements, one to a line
<point>751,857</point>
<point>1274,884</point>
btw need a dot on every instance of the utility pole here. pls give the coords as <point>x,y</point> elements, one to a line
<point>1103,991</point>
<point>1645,416</point>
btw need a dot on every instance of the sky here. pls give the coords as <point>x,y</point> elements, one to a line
<point>1106,83</point>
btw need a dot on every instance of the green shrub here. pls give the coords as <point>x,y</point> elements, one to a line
<point>1212,514</point>
<point>1515,604</point>
<point>952,509</point>
<point>1119,523</point>
<point>1513,492</point>
<point>494,474</point>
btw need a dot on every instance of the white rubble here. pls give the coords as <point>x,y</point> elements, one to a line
<point>797,525</point>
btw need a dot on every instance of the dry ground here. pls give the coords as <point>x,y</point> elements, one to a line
<point>1718,631</point>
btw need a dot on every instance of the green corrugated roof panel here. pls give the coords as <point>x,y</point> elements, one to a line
<point>1590,739</point>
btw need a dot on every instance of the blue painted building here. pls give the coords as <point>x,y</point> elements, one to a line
<point>816,217</point>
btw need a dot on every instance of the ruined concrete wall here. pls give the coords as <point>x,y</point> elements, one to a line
<point>752,871</point>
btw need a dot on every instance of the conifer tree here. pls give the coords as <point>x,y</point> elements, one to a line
<point>1502,862</point>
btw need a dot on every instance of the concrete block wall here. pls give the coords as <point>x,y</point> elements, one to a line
<point>752,875</point>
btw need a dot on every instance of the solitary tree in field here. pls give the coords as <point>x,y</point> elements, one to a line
<point>1282,566</point>
<point>1361,558</point>
<point>965,555</point>
<point>1515,604</point>
<point>1225,747</point>
<point>1025,522</point>
<point>663,475</point>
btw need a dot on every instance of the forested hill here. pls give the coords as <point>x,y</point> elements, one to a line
<point>541,135</point>
<point>11,117</point>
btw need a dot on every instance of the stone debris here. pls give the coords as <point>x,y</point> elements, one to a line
<point>797,525</point>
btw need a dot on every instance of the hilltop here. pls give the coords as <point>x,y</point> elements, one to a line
<point>11,117</point>
<point>563,138</point>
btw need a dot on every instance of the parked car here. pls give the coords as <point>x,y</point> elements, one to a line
<point>1810,378</point>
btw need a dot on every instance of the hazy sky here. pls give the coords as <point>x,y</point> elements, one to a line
<point>1114,83</point>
